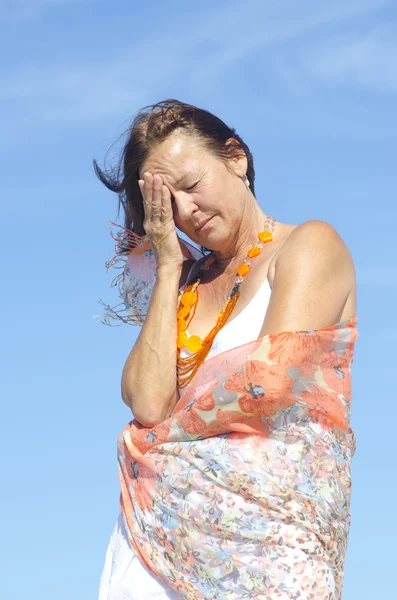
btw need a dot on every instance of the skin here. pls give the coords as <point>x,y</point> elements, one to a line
<point>309,267</point>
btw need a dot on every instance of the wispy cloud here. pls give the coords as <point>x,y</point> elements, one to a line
<point>365,62</point>
<point>76,91</point>
<point>275,26</point>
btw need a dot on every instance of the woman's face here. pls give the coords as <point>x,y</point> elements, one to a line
<point>201,188</point>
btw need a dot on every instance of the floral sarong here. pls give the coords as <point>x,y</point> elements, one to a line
<point>244,490</point>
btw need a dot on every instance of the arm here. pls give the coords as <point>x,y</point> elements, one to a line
<point>313,277</point>
<point>148,383</point>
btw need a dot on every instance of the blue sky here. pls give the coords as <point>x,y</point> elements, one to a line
<point>312,88</point>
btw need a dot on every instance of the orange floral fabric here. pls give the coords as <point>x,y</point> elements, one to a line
<point>244,490</point>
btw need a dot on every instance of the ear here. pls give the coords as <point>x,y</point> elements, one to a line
<point>238,162</point>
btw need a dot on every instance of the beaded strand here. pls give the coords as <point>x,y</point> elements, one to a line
<point>188,366</point>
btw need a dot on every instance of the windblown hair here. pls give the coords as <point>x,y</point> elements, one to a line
<point>151,126</point>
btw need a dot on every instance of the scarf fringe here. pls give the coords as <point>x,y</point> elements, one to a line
<point>134,291</point>
<point>126,242</point>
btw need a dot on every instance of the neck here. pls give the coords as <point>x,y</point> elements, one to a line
<point>246,237</point>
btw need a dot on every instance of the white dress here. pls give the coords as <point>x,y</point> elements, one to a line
<point>124,577</point>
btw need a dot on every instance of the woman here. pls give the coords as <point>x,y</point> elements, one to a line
<point>235,472</point>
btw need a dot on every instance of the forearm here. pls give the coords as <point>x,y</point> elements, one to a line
<point>148,384</point>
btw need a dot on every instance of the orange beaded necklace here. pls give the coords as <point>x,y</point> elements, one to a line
<point>188,366</point>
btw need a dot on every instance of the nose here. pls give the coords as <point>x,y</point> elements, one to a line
<point>185,207</point>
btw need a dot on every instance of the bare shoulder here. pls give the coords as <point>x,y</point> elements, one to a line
<point>314,242</point>
<point>312,277</point>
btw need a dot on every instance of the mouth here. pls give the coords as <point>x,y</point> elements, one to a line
<point>203,225</point>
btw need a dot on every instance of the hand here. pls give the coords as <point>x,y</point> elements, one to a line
<point>159,222</point>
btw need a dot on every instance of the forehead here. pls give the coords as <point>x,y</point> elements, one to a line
<point>176,157</point>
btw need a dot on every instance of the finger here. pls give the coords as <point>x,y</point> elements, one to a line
<point>166,204</point>
<point>147,197</point>
<point>141,185</point>
<point>157,197</point>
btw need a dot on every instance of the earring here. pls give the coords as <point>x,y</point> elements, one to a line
<point>246,181</point>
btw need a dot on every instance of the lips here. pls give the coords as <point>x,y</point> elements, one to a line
<point>202,224</point>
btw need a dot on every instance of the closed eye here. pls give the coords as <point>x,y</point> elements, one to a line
<point>187,189</point>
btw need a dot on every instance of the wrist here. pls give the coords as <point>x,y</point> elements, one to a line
<point>169,271</point>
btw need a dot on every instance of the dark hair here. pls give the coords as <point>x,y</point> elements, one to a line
<point>152,125</point>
